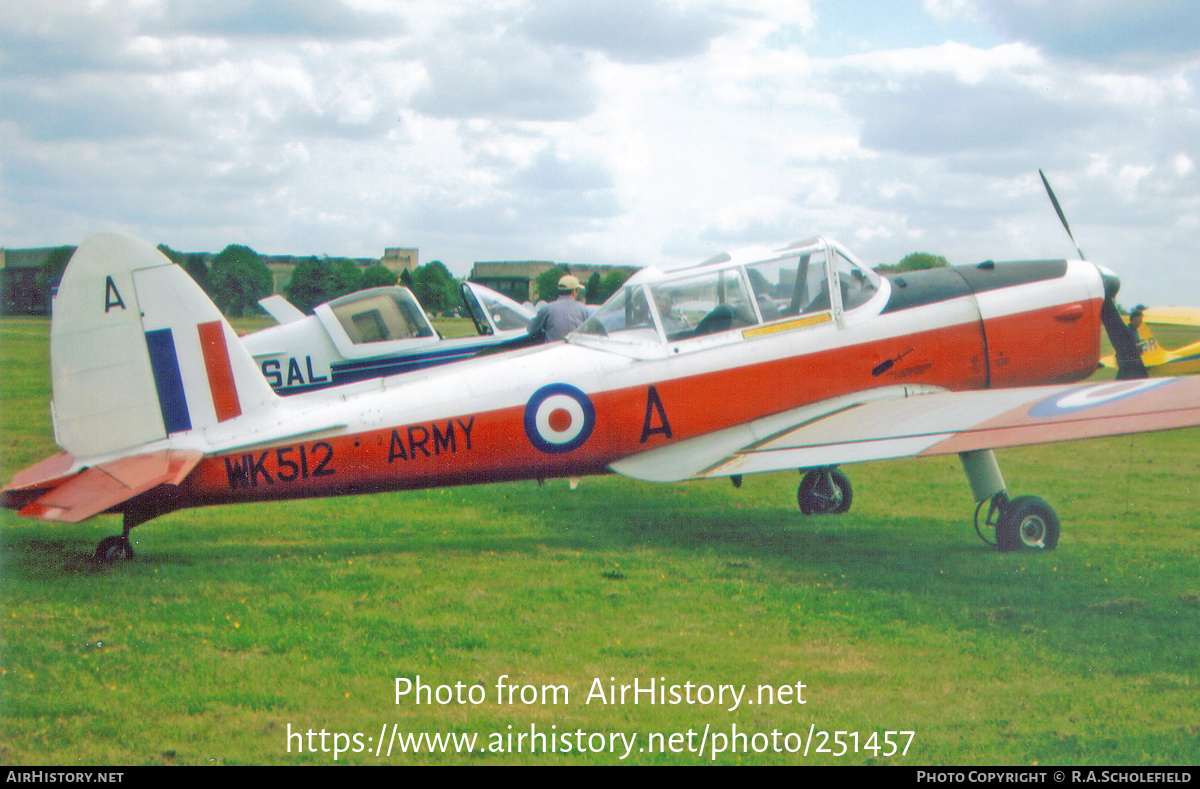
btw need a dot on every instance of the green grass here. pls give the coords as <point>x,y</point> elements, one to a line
<point>234,623</point>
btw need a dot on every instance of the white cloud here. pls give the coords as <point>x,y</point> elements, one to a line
<point>945,10</point>
<point>504,77</point>
<point>512,128</point>
<point>628,31</point>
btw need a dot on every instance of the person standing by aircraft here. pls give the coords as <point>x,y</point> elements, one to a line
<point>1138,347</point>
<point>1135,325</point>
<point>560,317</point>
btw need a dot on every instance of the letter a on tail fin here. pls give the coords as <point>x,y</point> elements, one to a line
<point>139,353</point>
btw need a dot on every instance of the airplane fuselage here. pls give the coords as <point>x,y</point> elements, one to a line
<point>572,408</point>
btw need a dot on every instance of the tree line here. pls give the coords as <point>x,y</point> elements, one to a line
<point>237,277</point>
<point>915,261</point>
<point>597,289</point>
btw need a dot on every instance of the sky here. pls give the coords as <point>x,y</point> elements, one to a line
<point>632,132</point>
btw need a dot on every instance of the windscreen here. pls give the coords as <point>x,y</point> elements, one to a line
<point>625,317</point>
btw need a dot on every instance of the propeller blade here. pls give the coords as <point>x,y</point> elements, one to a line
<point>1129,355</point>
<point>1061,216</point>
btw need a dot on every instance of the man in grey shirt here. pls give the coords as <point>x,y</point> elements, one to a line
<point>560,317</point>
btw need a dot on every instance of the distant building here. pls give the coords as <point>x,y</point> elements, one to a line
<point>514,278</point>
<point>282,266</point>
<point>400,259</point>
<point>397,259</point>
<point>28,277</point>
<point>517,279</point>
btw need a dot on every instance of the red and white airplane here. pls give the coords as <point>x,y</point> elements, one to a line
<point>793,357</point>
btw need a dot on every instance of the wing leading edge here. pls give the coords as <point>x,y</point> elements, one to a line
<point>911,421</point>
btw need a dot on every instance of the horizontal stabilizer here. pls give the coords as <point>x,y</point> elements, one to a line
<point>107,485</point>
<point>282,310</point>
<point>45,474</point>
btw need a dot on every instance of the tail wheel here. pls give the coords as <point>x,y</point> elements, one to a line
<point>1027,522</point>
<point>824,491</point>
<point>114,549</point>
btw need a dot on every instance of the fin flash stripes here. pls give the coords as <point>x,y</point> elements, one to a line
<point>220,372</point>
<point>172,398</point>
<point>168,379</point>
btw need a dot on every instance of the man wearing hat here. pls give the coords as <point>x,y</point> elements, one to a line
<point>1124,368</point>
<point>560,317</point>
<point>1135,320</point>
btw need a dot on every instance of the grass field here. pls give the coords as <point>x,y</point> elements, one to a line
<point>234,624</point>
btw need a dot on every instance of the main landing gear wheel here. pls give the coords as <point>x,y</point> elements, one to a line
<point>1027,522</point>
<point>114,549</point>
<point>824,491</point>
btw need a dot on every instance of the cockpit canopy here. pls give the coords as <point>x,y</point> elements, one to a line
<point>380,315</point>
<point>812,277</point>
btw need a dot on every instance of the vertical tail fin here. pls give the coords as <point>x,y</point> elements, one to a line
<point>1152,353</point>
<point>138,352</point>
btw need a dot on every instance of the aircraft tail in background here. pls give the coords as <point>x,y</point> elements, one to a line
<point>1160,361</point>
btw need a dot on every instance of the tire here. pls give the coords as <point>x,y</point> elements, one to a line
<point>114,549</point>
<point>1027,523</point>
<point>824,492</point>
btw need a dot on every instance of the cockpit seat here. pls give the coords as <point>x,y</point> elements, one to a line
<point>722,318</point>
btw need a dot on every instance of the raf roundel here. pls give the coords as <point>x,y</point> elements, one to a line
<point>559,418</point>
<point>1091,396</point>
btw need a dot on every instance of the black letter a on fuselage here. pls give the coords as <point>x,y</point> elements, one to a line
<point>654,406</point>
<point>112,298</point>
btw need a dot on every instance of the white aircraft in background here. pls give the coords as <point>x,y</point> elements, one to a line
<point>373,333</point>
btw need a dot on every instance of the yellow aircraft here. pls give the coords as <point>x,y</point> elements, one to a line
<point>1158,360</point>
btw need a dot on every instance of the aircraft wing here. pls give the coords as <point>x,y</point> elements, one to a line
<point>1176,316</point>
<point>904,421</point>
